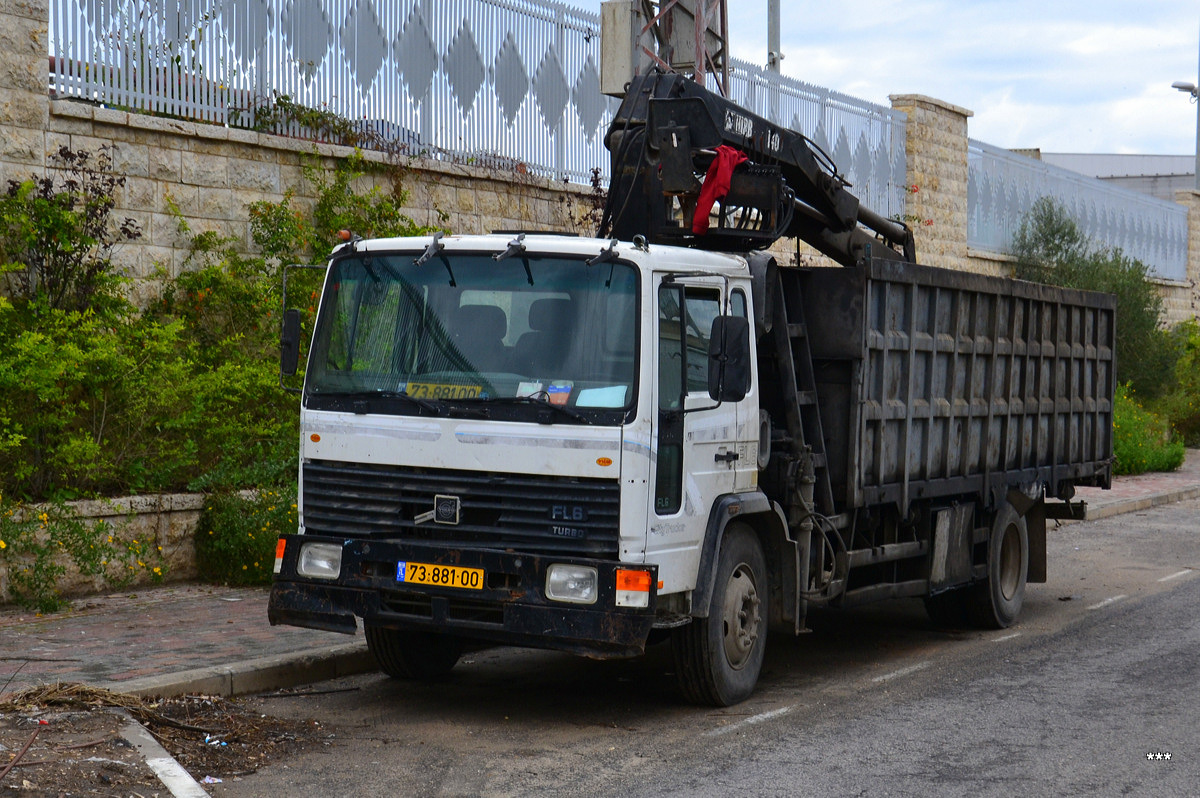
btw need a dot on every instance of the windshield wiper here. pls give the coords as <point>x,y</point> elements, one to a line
<point>516,247</point>
<point>437,408</point>
<point>532,400</point>
<point>435,248</point>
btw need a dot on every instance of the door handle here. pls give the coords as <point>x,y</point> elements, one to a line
<point>725,457</point>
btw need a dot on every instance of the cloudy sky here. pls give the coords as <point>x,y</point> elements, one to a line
<point>1062,75</point>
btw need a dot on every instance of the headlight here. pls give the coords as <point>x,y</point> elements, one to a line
<point>320,560</point>
<point>573,583</point>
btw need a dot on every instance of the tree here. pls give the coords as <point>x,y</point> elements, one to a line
<point>1050,248</point>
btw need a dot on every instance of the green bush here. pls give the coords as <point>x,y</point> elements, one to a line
<point>1181,404</point>
<point>98,397</point>
<point>83,404</point>
<point>236,535</point>
<point>1142,440</point>
<point>58,234</point>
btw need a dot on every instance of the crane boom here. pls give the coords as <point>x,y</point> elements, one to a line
<point>669,130</point>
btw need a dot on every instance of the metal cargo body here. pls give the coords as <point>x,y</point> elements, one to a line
<point>933,382</point>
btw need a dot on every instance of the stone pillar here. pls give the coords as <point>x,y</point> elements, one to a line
<point>1190,198</point>
<point>24,87</point>
<point>936,153</point>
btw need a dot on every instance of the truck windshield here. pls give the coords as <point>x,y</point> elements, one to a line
<point>468,329</point>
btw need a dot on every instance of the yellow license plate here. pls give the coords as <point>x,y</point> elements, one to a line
<point>423,573</point>
<point>437,390</point>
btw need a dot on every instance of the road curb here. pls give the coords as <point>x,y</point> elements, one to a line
<point>1142,503</point>
<point>255,675</point>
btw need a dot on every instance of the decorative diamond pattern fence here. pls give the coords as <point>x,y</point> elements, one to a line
<point>504,82</point>
<point>501,82</point>
<point>1001,186</point>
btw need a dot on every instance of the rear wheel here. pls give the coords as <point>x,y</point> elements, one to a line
<point>718,658</point>
<point>996,602</point>
<point>413,655</point>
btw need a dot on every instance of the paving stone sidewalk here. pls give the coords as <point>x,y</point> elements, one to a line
<point>190,638</point>
<point>148,638</point>
<point>1130,494</point>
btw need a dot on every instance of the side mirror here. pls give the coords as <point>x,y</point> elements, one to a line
<point>289,343</point>
<point>729,359</point>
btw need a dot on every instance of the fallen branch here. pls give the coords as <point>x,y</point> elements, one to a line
<point>17,759</point>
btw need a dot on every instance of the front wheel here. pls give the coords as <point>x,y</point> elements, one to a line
<point>996,602</point>
<point>718,658</point>
<point>413,655</point>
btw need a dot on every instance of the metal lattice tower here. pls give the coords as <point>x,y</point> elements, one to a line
<point>685,36</point>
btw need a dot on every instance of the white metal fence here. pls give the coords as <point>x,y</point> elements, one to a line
<point>470,79</point>
<point>1003,185</point>
<point>500,81</point>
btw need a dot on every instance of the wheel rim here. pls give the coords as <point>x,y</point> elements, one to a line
<point>1010,563</point>
<point>741,620</point>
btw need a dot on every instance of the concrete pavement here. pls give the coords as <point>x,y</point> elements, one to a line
<point>216,640</point>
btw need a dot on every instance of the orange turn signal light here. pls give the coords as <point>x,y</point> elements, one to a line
<point>633,580</point>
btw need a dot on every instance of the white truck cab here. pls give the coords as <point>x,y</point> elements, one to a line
<point>518,440</point>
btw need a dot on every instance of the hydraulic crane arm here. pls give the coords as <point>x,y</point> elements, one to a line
<point>668,131</point>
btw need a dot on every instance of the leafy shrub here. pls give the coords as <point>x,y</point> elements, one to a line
<point>1181,404</point>
<point>236,535</point>
<point>345,201</point>
<point>1142,440</point>
<point>98,397</point>
<point>83,403</point>
<point>58,234</point>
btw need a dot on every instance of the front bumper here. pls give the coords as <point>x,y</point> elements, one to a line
<point>510,609</point>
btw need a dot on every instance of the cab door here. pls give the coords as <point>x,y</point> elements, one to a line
<point>696,439</point>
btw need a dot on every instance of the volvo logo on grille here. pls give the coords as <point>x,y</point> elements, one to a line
<point>446,509</point>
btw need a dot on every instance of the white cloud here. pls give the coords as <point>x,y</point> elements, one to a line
<point>1065,75</point>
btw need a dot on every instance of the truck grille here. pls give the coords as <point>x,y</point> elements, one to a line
<point>518,512</point>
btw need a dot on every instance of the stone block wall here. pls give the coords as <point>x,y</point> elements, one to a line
<point>164,525</point>
<point>24,75</point>
<point>208,175</point>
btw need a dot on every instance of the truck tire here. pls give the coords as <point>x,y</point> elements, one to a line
<point>412,655</point>
<point>996,602</point>
<point>718,658</point>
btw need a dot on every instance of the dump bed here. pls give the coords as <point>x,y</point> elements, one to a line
<point>933,382</point>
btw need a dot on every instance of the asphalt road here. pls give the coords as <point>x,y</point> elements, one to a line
<point>1087,695</point>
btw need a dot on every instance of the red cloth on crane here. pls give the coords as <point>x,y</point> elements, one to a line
<point>716,184</point>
